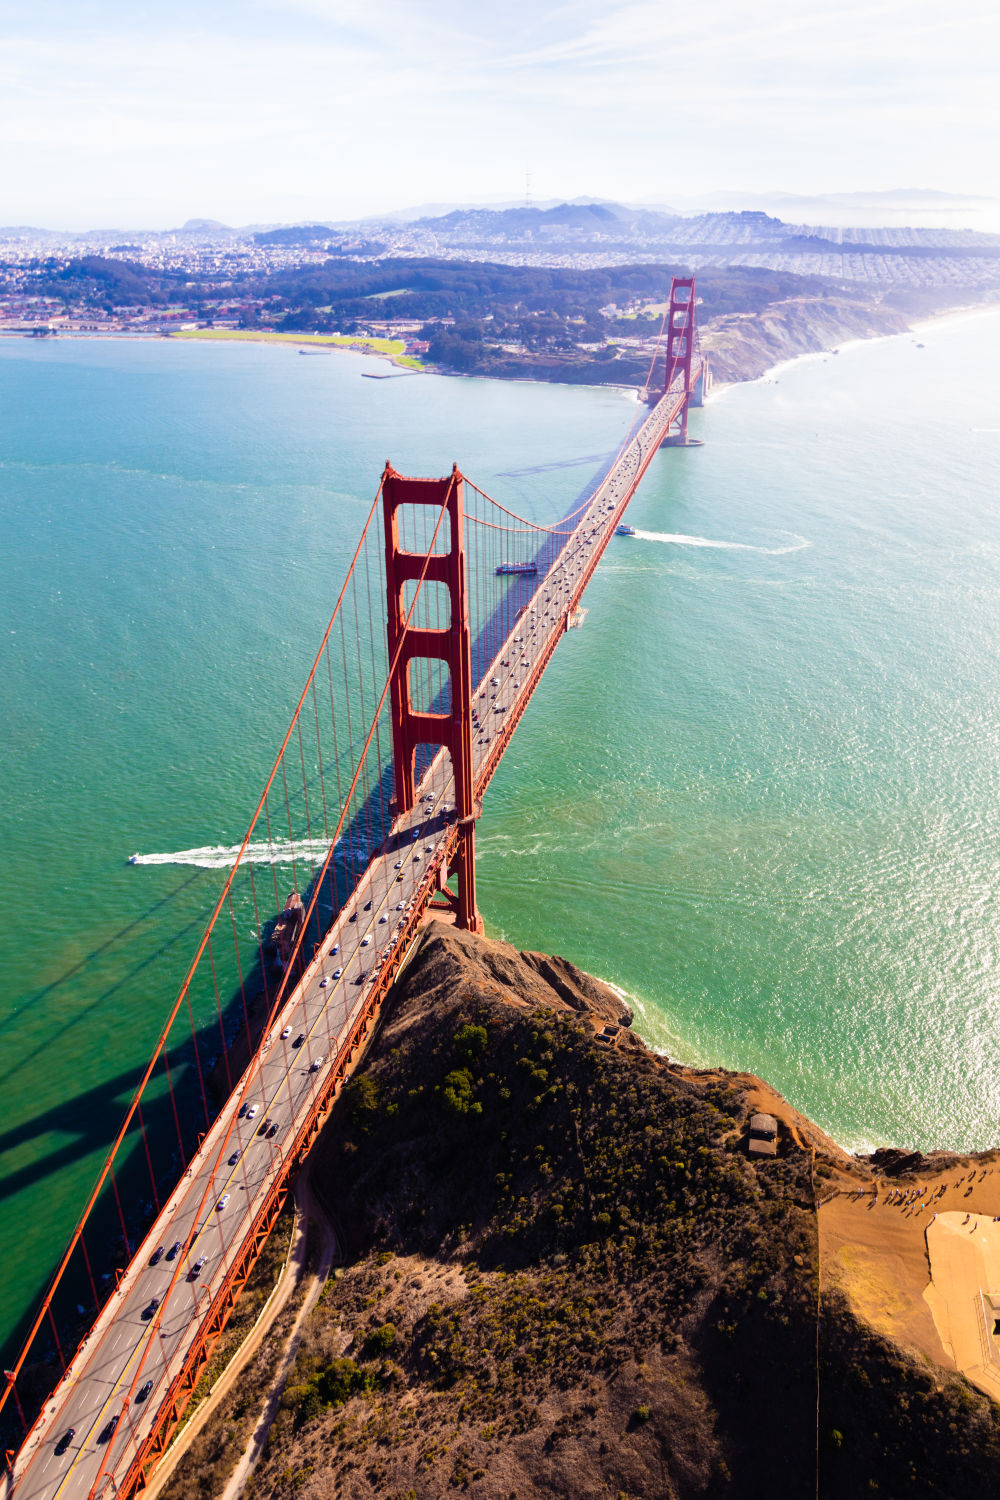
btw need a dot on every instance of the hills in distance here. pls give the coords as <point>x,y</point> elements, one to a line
<point>917,208</point>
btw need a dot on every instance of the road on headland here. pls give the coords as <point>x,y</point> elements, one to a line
<point>117,1389</point>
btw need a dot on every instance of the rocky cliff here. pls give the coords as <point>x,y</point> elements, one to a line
<point>743,346</point>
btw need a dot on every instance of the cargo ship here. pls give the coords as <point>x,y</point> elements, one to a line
<point>286,929</point>
<point>521,570</point>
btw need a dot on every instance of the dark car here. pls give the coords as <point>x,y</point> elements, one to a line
<point>243,1110</point>
<point>107,1432</point>
<point>150,1309</point>
<point>65,1440</point>
<point>144,1391</point>
<point>195,1270</point>
<point>299,1039</point>
<point>156,1257</point>
<point>272,1130</point>
<point>265,1126</point>
<point>234,1158</point>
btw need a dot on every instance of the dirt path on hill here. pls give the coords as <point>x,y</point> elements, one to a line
<point>291,1276</point>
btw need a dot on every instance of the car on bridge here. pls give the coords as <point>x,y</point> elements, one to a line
<point>222,1203</point>
<point>65,1440</point>
<point>150,1309</point>
<point>143,1392</point>
<point>157,1256</point>
<point>107,1432</point>
<point>172,1252</point>
<point>196,1269</point>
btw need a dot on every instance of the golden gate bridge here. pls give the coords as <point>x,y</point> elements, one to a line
<point>450,612</point>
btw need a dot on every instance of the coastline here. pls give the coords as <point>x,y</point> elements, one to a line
<point>969,313</point>
<point>392,350</point>
<point>807,1262</point>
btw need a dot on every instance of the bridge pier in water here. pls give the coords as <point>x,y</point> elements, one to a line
<point>364,897</point>
<point>411,727</point>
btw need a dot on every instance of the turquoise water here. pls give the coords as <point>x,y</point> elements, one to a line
<point>758,790</point>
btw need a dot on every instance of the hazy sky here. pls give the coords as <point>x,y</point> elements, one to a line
<point>123,112</point>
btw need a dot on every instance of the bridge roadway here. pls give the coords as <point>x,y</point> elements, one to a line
<point>211,1212</point>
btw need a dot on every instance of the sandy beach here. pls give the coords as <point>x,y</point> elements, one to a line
<point>913,1251</point>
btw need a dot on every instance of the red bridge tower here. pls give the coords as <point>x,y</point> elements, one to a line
<point>411,727</point>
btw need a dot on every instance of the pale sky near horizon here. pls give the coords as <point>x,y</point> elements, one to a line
<point>126,113</point>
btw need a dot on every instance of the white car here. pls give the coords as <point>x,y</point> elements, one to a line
<point>222,1202</point>
<point>286,1033</point>
<point>365,940</point>
<point>334,949</point>
<point>399,864</point>
<point>400,906</point>
<point>337,973</point>
<point>252,1111</point>
<point>383,918</point>
<point>315,1065</point>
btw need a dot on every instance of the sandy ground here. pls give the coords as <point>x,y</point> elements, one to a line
<point>965,1261</point>
<point>881,1247</point>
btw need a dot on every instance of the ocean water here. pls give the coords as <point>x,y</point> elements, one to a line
<point>758,790</point>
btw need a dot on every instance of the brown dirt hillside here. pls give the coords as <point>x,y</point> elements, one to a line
<point>565,1277</point>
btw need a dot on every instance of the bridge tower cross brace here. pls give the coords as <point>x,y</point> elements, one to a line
<point>680,344</point>
<point>410,727</point>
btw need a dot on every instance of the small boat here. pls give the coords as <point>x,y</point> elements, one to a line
<point>133,859</point>
<point>522,570</point>
<point>624,530</point>
<point>314,351</point>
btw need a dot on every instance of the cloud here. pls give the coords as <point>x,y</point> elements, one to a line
<point>356,104</point>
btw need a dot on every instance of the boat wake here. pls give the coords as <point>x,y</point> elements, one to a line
<point>677,539</point>
<point>223,856</point>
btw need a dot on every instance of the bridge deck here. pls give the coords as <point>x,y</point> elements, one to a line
<point>304,1060</point>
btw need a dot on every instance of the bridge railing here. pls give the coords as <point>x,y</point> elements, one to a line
<point>325,808</point>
